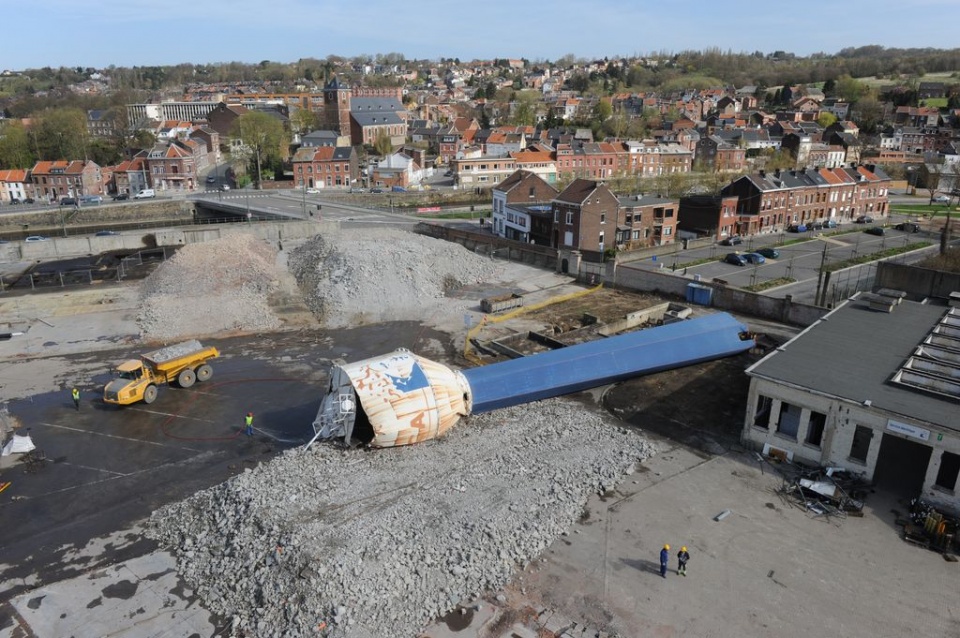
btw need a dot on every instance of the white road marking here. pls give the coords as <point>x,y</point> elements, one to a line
<point>114,436</point>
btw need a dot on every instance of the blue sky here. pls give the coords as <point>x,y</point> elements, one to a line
<point>147,32</point>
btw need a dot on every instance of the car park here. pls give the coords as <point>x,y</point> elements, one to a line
<point>33,238</point>
<point>863,219</point>
<point>736,259</point>
<point>754,258</point>
<point>875,230</point>
<point>908,227</point>
<point>769,253</point>
<point>733,240</point>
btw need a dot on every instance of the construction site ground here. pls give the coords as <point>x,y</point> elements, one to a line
<point>73,556</point>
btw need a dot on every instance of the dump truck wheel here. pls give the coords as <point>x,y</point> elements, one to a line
<point>150,394</point>
<point>204,372</point>
<point>187,378</point>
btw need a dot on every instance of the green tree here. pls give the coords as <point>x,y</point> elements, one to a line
<point>15,151</point>
<point>382,144</point>
<point>850,90</point>
<point>826,118</point>
<point>264,135</point>
<point>524,111</point>
<point>303,121</point>
<point>61,134</point>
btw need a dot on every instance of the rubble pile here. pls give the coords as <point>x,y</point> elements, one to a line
<point>371,543</point>
<point>355,277</point>
<point>211,287</point>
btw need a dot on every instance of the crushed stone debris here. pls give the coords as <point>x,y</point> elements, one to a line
<point>211,287</point>
<point>372,543</point>
<point>355,277</point>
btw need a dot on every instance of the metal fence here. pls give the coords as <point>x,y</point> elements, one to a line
<point>136,265</point>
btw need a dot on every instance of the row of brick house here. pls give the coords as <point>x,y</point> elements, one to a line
<point>170,166</point>
<point>586,215</point>
<point>589,217</point>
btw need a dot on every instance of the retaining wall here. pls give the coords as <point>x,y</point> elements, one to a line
<point>918,283</point>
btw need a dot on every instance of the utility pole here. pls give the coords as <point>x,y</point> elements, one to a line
<point>820,275</point>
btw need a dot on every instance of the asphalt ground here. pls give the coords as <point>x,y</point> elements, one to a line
<point>108,466</point>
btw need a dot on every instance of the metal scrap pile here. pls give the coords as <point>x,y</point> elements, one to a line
<point>930,527</point>
<point>828,492</point>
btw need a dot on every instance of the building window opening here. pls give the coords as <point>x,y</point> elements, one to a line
<point>761,417</point>
<point>815,429</point>
<point>789,422</point>
<point>861,443</point>
<point>949,470</point>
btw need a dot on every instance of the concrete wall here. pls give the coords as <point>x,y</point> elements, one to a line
<point>65,247</point>
<point>918,283</point>
<point>675,248</point>
<point>492,245</point>
<point>50,222</point>
<point>843,417</point>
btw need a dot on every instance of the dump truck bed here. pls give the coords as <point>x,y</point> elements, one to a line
<point>174,356</point>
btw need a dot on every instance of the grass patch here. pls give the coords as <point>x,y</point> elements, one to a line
<point>922,210</point>
<point>770,283</point>
<point>883,254</point>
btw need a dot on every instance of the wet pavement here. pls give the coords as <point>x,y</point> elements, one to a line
<point>107,467</point>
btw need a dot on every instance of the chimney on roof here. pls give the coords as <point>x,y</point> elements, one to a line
<point>763,173</point>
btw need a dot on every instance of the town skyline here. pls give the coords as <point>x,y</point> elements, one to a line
<point>139,33</point>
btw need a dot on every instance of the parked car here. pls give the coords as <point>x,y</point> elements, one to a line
<point>909,227</point>
<point>736,259</point>
<point>14,201</point>
<point>146,193</point>
<point>875,230</point>
<point>356,189</point>
<point>33,238</point>
<point>119,197</point>
<point>448,174</point>
<point>398,189</point>
<point>106,233</point>
<point>942,199</point>
<point>754,258</point>
<point>797,228</point>
<point>829,223</point>
<point>733,240</point>
<point>769,253</point>
<point>313,191</point>
<point>68,201</point>
<point>224,187</point>
<point>211,179</point>
<point>863,219</point>
<point>91,199</point>
<point>376,190</point>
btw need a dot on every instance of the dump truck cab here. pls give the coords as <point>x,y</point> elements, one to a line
<point>129,384</point>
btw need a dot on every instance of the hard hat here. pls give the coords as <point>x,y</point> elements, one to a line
<point>666,547</point>
<point>683,549</point>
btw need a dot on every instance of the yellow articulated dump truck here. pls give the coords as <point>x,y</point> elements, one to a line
<point>137,379</point>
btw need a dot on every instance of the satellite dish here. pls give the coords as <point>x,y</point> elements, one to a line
<point>346,405</point>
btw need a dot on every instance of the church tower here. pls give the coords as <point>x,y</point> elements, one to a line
<point>336,106</point>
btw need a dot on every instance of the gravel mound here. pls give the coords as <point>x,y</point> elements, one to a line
<point>380,542</point>
<point>211,287</point>
<point>355,277</point>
